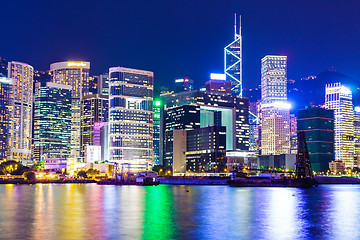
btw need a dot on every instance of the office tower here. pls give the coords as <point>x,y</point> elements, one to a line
<point>275,111</point>
<point>293,134</point>
<point>101,138</point>
<point>22,74</point>
<point>3,67</point>
<point>233,62</point>
<point>318,125</point>
<point>185,117</point>
<point>254,140</point>
<point>6,111</point>
<point>131,117</point>
<point>103,84</point>
<point>52,121</point>
<point>156,130</point>
<point>76,75</point>
<point>196,109</point>
<point>218,86</point>
<point>357,136</point>
<point>339,99</point>
<point>205,150</point>
<point>94,109</point>
<point>93,84</point>
<point>273,79</point>
<point>184,84</point>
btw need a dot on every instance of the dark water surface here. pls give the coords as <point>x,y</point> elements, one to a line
<point>89,211</point>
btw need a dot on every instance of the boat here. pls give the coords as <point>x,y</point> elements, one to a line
<point>304,177</point>
<point>271,182</point>
<point>125,177</point>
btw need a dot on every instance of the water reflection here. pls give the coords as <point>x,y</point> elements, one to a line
<point>76,211</point>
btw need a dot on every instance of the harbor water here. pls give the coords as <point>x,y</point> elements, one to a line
<point>90,211</point>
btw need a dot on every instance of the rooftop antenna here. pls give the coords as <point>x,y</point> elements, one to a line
<point>235,27</point>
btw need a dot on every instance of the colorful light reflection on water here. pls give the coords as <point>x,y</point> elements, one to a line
<point>76,211</point>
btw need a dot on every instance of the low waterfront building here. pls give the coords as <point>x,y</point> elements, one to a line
<point>337,166</point>
<point>283,161</point>
<point>55,164</point>
<point>237,160</point>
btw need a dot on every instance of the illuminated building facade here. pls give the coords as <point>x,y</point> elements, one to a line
<point>273,79</point>
<point>94,109</point>
<point>339,99</point>
<point>184,84</point>
<point>233,62</point>
<point>76,75</point>
<point>318,125</point>
<point>22,75</point>
<point>275,129</point>
<point>185,117</point>
<point>275,111</point>
<point>101,138</point>
<point>131,117</point>
<point>52,121</point>
<point>156,130</point>
<point>6,111</point>
<point>206,149</point>
<point>293,134</point>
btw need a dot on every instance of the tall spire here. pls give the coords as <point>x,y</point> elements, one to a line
<point>240,27</point>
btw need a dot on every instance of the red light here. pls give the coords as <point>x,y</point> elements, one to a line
<point>98,124</point>
<point>186,79</point>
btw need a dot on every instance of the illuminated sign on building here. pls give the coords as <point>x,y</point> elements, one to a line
<point>217,76</point>
<point>76,64</point>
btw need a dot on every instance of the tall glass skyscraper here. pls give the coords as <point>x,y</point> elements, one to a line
<point>318,125</point>
<point>131,117</point>
<point>233,62</point>
<point>76,75</point>
<point>22,75</point>
<point>339,99</point>
<point>6,111</point>
<point>52,121</point>
<point>275,111</point>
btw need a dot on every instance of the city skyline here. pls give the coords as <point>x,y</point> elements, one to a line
<point>273,29</point>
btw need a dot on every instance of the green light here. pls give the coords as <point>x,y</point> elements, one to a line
<point>157,103</point>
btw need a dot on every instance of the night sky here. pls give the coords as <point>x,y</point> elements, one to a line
<point>176,38</point>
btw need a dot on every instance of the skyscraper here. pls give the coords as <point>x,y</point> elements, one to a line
<point>103,84</point>
<point>339,99</point>
<point>22,75</point>
<point>131,117</point>
<point>318,125</point>
<point>273,79</point>
<point>52,120</point>
<point>233,62</point>
<point>6,111</point>
<point>94,109</point>
<point>275,111</point>
<point>76,75</point>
